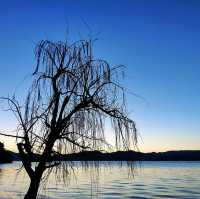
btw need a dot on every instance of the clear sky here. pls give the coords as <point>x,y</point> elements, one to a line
<point>158,41</point>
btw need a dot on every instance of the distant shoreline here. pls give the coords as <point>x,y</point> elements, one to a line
<point>135,156</point>
<point>185,155</point>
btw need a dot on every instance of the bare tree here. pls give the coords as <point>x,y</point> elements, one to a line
<point>71,97</point>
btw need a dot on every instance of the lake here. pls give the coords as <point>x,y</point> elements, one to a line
<point>109,180</point>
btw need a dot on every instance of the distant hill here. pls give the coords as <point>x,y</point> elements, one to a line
<point>5,156</point>
<point>185,155</point>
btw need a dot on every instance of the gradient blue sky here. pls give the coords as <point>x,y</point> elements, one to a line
<point>158,41</point>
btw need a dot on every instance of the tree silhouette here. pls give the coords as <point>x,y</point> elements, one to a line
<point>71,97</point>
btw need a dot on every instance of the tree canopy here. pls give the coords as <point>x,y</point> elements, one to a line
<point>72,95</point>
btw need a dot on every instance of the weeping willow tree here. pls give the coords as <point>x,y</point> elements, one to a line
<point>72,95</point>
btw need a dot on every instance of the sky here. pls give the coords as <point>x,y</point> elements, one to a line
<point>157,41</point>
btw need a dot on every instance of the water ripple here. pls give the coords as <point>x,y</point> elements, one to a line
<point>180,180</point>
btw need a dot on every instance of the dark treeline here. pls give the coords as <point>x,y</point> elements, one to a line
<point>5,156</point>
<point>185,155</point>
<point>134,156</point>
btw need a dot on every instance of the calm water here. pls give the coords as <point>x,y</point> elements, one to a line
<point>151,180</point>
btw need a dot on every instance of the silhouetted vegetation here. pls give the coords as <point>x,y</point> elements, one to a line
<point>185,155</point>
<point>71,97</point>
<point>134,156</point>
<point>5,156</point>
<point>1,146</point>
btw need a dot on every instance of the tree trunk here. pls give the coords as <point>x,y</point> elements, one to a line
<point>33,188</point>
<point>36,177</point>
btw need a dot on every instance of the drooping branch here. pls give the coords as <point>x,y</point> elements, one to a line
<point>13,136</point>
<point>72,97</point>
